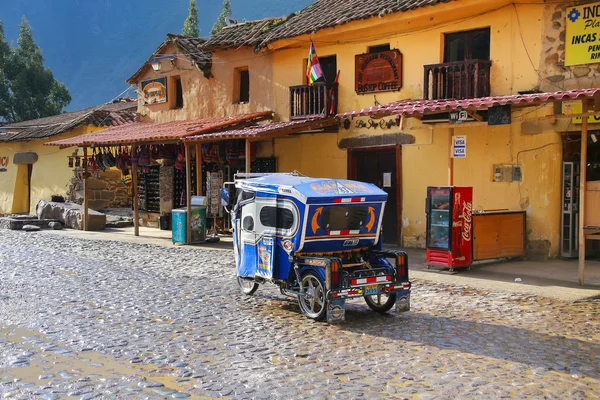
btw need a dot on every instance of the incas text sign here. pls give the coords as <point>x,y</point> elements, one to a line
<point>378,72</point>
<point>582,42</point>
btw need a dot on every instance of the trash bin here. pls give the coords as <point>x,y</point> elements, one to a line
<point>165,222</point>
<point>179,223</point>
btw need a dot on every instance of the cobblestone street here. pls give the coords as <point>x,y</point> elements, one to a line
<point>101,319</point>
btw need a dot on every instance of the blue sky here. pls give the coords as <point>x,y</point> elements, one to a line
<point>95,45</point>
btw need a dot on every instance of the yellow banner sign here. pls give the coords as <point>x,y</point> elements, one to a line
<point>576,108</point>
<point>583,35</point>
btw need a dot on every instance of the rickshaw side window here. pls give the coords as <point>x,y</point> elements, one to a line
<point>276,217</point>
<point>244,195</point>
<point>340,218</point>
<point>248,223</point>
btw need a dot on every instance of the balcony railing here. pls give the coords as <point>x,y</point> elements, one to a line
<point>457,80</point>
<point>318,100</point>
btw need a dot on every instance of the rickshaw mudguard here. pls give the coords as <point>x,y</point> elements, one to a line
<point>336,310</point>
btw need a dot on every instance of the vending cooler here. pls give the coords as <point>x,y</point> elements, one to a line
<point>449,226</point>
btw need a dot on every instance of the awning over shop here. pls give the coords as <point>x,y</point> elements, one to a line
<point>269,130</point>
<point>421,107</point>
<point>148,132</point>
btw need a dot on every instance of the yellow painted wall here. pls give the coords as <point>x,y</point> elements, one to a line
<point>516,36</point>
<point>312,155</point>
<point>539,193</point>
<point>50,175</point>
<point>419,37</point>
<point>214,97</point>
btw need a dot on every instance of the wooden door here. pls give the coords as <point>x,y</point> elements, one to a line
<point>381,167</point>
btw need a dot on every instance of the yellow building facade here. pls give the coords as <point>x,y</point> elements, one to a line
<point>33,171</point>
<point>518,51</point>
<point>524,51</point>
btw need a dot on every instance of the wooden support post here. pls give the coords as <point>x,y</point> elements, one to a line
<point>85,190</point>
<point>248,158</point>
<point>582,189</point>
<point>450,158</point>
<point>188,194</point>
<point>198,170</point>
<point>136,204</point>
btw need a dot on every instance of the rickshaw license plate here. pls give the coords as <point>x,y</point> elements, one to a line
<point>370,290</point>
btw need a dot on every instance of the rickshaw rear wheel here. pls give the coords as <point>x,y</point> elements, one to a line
<point>313,302</point>
<point>247,286</point>
<point>382,302</point>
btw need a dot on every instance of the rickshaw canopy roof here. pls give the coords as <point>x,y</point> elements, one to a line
<point>318,189</point>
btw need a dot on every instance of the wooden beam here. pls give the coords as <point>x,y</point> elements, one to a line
<point>198,170</point>
<point>248,157</point>
<point>475,115</point>
<point>85,190</point>
<point>136,204</point>
<point>188,194</point>
<point>474,124</point>
<point>582,190</point>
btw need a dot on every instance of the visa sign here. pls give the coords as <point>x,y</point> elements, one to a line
<point>459,146</point>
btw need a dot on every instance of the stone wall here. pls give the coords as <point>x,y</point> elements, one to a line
<point>554,75</point>
<point>106,191</point>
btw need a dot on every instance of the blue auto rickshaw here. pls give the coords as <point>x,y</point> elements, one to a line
<point>318,239</point>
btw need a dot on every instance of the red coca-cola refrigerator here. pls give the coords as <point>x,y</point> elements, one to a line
<point>449,226</point>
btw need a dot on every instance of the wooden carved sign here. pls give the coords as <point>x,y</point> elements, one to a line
<point>378,72</point>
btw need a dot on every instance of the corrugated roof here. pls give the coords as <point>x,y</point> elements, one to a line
<point>114,114</point>
<point>146,132</point>
<point>328,13</point>
<point>420,107</point>
<point>254,132</point>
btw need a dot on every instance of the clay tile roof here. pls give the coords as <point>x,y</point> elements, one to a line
<point>420,107</point>
<point>148,132</point>
<point>249,33</point>
<point>328,13</point>
<point>257,131</point>
<point>112,114</point>
<point>189,46</point>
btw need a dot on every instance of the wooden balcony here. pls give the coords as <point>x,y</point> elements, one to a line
<point>457,80</point>
<point>318,100</point>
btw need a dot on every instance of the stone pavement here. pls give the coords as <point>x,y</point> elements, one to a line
<point>554,279</point>
<point>106,319</point>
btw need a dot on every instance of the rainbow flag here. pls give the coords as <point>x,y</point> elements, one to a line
<point>313,70</point>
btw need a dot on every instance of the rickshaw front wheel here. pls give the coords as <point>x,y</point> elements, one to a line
<point>382,302</point>
<point>313,301</point>
<point>248,286</point>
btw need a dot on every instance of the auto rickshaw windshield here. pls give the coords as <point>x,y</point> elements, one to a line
<point>342,217</point>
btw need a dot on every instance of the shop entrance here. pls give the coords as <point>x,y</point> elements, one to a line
<point>570,193</point>
<point>22,193</point>
<point>382,167</point>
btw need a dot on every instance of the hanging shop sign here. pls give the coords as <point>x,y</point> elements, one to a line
<point>582,42</point>
<point>458,116</point>
<point>499,115</point>
<point>154,91</point>
<point>378,72</point>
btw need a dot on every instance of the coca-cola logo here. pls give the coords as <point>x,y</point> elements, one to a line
<point>467,213</point>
